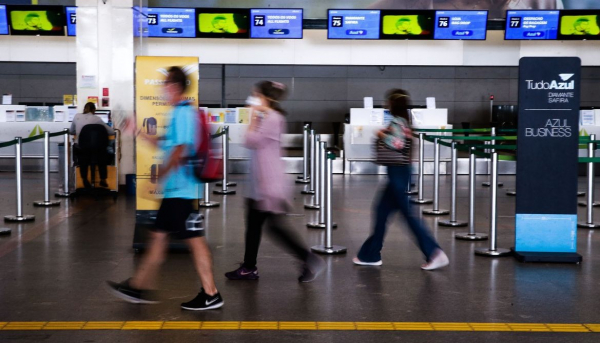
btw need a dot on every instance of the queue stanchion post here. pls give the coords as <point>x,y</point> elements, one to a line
<point>453,222</point>
<point>409,185</point>
<point>314,150</point>
<point>66,192</point>
<point>590,186</point>
<point>46,202</point>
<point>225,184</point>
<point>329,248</point>
<point>320,162</point>
<point>205,202</point>
<point>19,217</point>
<point>304,178</point>
<point>435,211</point>
<point>493,250</point>
<point>589,222</point>
<point>420,200</point>
<point>321,223</point>
<point>493,143</point>
<point>472,235</point>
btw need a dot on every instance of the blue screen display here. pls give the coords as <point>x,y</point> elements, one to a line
<point>170,22</point>
<point>524,25</point>
<point>3,21</point>
<point>276,23</point>
<point>471,25</point>
<point>71,21</point>
<point>353,24</point>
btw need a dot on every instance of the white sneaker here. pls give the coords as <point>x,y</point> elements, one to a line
<point>361,263</point>
<point>440,260</point>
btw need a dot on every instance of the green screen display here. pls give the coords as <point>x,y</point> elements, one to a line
<point>37,20</point>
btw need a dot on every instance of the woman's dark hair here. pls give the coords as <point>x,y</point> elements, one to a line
<point>274,92</point>
<point>399,102</point>
<point>177,75</point>
<point>89,108</point>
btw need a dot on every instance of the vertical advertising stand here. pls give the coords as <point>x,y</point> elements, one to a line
<point>546,209</point>
<point>152,117</point>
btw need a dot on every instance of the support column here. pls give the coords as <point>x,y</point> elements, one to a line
<point>105,55</point>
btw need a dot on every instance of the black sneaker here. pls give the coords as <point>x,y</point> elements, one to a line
<point>243,273</point>
<point>125,292</point>
<point>203,302</point>
<point>103,184</point>
<point>312,268</point>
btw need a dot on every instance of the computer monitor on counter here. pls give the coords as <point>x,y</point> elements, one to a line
<point>104,115</point>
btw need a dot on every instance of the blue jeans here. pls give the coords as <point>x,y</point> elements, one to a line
<point>394,198</point>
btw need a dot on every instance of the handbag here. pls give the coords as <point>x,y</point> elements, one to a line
<point>386,156</point>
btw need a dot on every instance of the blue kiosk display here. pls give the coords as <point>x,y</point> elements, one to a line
<point>547,160</point>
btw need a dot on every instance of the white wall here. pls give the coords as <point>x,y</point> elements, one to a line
<point>316,49</point>
<point>37,49</point>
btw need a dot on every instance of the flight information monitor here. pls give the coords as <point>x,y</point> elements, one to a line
<point>71,21</point>
<point>407,24</point>
<point>171,22</point>
<point>579,25</point>
<point>468,25</point>
<point>276,23</point>
<point>531,25</point>
<point>3,21</point>
<point>353,24</point>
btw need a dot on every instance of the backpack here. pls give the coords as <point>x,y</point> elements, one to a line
<point>206,164</point>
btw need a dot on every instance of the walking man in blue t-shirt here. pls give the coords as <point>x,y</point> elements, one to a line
<point>176,217</point>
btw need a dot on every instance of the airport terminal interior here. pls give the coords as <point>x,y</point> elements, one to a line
<point>491,107</point>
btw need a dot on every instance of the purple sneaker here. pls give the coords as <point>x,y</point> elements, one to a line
<point>243,273</point>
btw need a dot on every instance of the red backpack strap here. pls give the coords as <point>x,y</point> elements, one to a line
<point>204,129</point>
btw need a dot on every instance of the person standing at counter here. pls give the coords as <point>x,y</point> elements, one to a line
<point>268,197</point>
<point>79,121</point>
<point>397,138</point>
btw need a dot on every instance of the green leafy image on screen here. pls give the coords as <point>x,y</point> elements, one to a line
<point>221,23</point>
<point>580,25</point>
<point>404,25</point>
<point>35,21</point>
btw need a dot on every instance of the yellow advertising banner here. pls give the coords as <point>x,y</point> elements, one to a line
<point>152,117</point>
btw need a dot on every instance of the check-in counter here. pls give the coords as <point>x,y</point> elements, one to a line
<point>589,126</point>
<point>33,152</point>
<point>364,124</point>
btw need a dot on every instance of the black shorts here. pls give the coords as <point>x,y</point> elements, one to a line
<point>172,217</point>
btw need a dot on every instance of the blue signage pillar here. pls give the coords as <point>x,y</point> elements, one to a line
<point>547,158</point>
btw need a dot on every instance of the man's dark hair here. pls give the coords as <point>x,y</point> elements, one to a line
<point>177,76</point>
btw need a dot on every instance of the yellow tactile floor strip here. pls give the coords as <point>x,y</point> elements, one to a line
<point>302,326</point>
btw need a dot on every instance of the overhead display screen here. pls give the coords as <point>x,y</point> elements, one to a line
<point>534,25</point>
<point>71,21</point>
<point>37,20</point>
<point>578,25</point>
<point>223,22</point>
<point>276,23</point>
<point>468,25</point>
<point>353,24</point>
<point>407,24</point>
<point>3,21</point>
<point>171,22</point>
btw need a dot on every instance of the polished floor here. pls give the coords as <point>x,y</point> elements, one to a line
<point>52,270</point>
